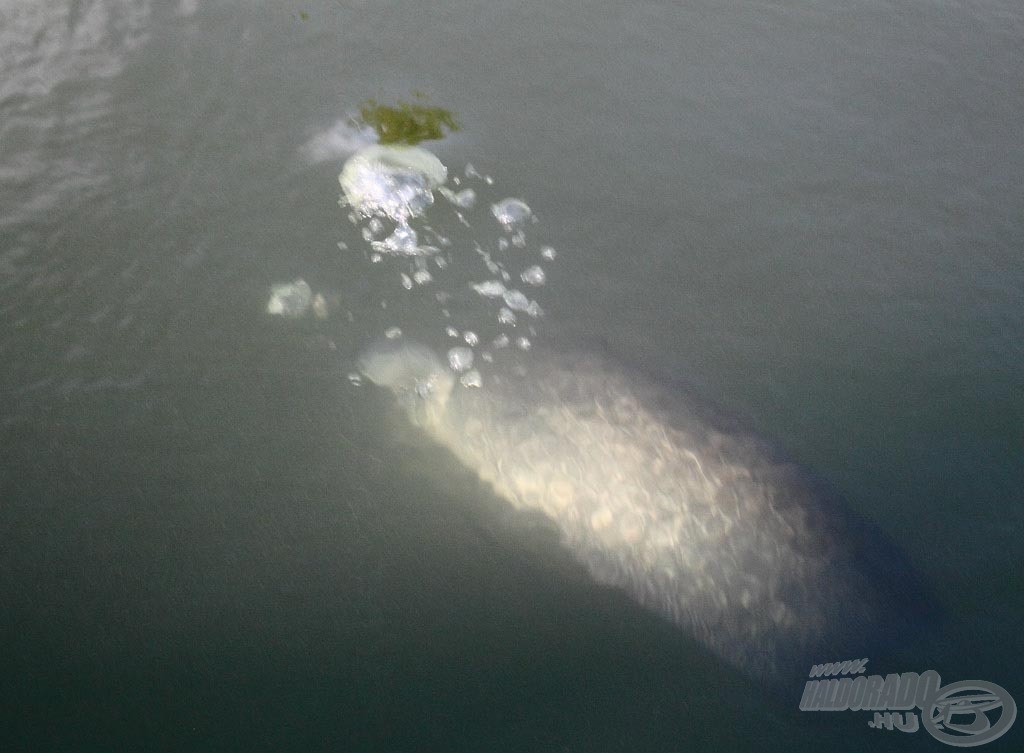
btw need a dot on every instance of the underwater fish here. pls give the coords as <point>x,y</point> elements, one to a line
<point>657,495</point>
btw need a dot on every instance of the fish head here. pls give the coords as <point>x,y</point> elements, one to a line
<point>420,382</point>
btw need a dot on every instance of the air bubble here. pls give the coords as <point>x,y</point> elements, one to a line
<point>320,308</point>
<point>471,379</point>
<point>511,213</point>
<point>402,241</point>
<point>460,358</point>
<point>290,300</point>
<point>465,198</point>
<point>534,275</point>
<point>490,289</point>
<point>516,301</point>
<point>390,181</point>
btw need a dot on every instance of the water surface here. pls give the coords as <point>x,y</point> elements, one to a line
<point>209,539</point>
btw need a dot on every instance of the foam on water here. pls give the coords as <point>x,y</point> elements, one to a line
<point>342,139</point>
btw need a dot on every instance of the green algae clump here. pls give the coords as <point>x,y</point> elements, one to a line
<point>407,123</point>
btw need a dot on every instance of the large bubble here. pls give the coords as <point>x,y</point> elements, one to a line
<point>397,182</point>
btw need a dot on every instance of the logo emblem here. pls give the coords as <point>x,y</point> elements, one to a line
<point>959,713</point>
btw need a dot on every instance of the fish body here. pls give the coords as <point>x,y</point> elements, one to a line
<point>659,496</point>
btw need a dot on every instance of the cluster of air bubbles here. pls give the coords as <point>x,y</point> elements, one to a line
<point>433,231</point>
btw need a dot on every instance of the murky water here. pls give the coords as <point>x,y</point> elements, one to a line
<point>210,539</point>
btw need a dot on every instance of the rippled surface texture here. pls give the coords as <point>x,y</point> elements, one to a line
<point>808,213</point>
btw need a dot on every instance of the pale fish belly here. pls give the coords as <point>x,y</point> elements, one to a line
<point>697,521</point>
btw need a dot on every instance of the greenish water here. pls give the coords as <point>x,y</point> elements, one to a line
<point>210,540</point>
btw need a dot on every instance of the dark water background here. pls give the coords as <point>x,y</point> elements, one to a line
<point>812,211</point>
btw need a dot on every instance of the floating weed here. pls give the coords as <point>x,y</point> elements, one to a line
<point>407,123</point>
